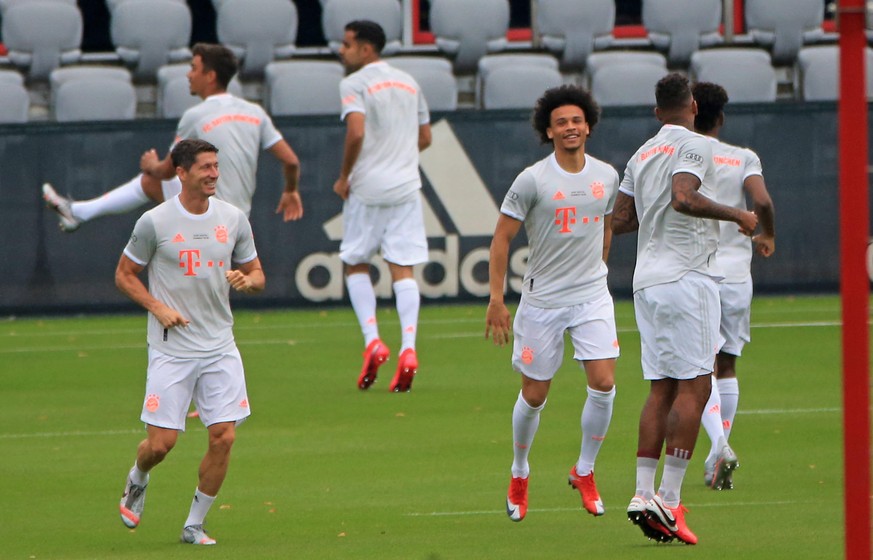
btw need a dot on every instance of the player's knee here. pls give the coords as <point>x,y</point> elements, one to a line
<point>221,440</point>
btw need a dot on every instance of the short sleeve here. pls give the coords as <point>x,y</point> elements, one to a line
<point>143,241</point>
<point>694,156</point>
<point>187,128</point>
<point>613,192</point>
<point>244,250</point>
<point>752,164</point>
<point>627,182</point>
<point>520,197</point>
<point>423,111</point>
<point>351,98</point>
<point>270,135</point>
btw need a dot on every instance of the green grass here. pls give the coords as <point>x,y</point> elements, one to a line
<point>323,470</point>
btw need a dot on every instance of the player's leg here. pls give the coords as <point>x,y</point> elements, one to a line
<point>729,388</point>
<point>736,302</point>
<point>150,452</point>
<point>711,423</point>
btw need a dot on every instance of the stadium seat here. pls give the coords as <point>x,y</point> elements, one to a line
<point>112,4</point>
<point>819,70</point>
<point>257,31</point>
<point>16,102</point>
<point>41,35</point>
<point>572,29</point>
<point>435,78</point>
<point>517,87</point>
<point>599,60</point>
<point>629,83</point>
<point>746,74</point>
<point>7,3</point>
<point>681,27</point>
<point>150,33</point>
<point>174,94</point>
<point>336,14</point>
<point>88,96</point>
<point>60,76</point>
<point>491,62</point>
<point>466,33</point>
<point>303,87</point>
<point>784,26</point>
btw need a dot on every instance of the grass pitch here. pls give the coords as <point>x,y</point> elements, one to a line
<point>325,471</point>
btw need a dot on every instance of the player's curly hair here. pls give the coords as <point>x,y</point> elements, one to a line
<point>711,99</point>
<point>558,97</point>
<point>672,92</point>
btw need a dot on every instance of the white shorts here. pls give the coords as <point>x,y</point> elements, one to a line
<point>216,384</point>
<point>171,187</point>
<point>538,336</point>
<point>397,230</point>
<point>736,310</point>
<point>678,324</point>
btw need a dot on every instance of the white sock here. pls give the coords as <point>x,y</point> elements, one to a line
<point>671,480</point>
<point>646,469</point>
<point>711,422</point>
<point>363,298</point>
<point>137,476</point>
<point>525,421</point>
<point>596,415</point>
<point>730,398</point>
<point>199,508</point>
<point>119,200</point>
<point>408,301</point>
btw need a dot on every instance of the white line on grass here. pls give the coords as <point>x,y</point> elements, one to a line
<point>71,434</point>
<point>553,510</point>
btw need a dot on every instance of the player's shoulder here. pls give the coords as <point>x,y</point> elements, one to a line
<point>600,166</point>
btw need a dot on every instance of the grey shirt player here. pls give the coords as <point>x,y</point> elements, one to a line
<point>187,256</point>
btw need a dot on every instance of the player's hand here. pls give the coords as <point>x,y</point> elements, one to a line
<point>342,188</point>
<point>498,324</point>
<point>238,281</point>
<point>169,317</point>
<point>748,222</point>
<point>290,206</point>
<point>149,161</point>
<point>765,245</point>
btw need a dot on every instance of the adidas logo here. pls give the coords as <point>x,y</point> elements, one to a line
<point>462,196</point>
<point>178,238</point>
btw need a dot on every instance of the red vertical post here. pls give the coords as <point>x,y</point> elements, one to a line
<point>854,280</point>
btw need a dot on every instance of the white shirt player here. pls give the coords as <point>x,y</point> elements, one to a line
<point>241,130</point>
<point>386,171</point>
<point>563,216</point>
<point>187,256</point>
<point>733,165</point>
<point>669,243</point>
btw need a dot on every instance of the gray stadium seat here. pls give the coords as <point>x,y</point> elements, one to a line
<point>491,62</point>
<point>174,94</point>
<point>746,74</point>
<point>517,87</point>
<point>784,26</point>
<point>819,71</point>
<point>41,35</point>
<point>94,98</point>
<point>630,83</point>
<point>150,33</point>
<point>681,27</point>
<point>6,3</point>
<point>303,87</point>
<point>434,77</point>
<point>112,4</point>
<point>599,60</point>
<point>466,33</point>
<point>572,30</point>
<point>16,101</point>
<point>336,14</point>
<point>257,31</point>
<point>60,76</point>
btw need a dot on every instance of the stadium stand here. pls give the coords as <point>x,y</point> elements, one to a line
<point>465,33</point>
<point>387,13</point>
<point>681,27</point>
<point>92,94</point>
<point>746,74</point>
<point>784,26</point>
<point>258,32</point>
<point>819,70</point>
<point>150,33</point>
<point>572,30</point>
<point>41,35</point>
<point>434,76</point>
<point>16,101</point>
<point>303,87</point>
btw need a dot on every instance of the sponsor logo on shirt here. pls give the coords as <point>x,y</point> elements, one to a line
<point>559,196</point>
<point>189,260</point>
<point>665,149</point>
<point>696,158</point>
<point>565,217</point>
<point>179,238</point>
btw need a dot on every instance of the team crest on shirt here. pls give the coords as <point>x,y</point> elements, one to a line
<point>527,355</point>
<point>152,403</point>
<point>221,234</point>
<point>597,189</point>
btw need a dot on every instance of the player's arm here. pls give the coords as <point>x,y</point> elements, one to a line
<point>128,282</point>
<point>497,319</point>
<point>151,164</point>
<point>247,278</point>
<point>290,204</point>
<point>351,150</point>
<point>687,200</point>
<point>607,236</point>
<point>424,137</point>
<point>765,242</point>
<point>624,216</point>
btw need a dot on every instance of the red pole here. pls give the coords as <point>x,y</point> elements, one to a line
<point>854,280</point>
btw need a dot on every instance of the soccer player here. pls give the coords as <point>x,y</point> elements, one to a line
<point>239,128</point>
<point>564,202</point>
<point>667,194</point>
<point>387,124</point>
<point>196,248</point>
<point>738,172</point>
